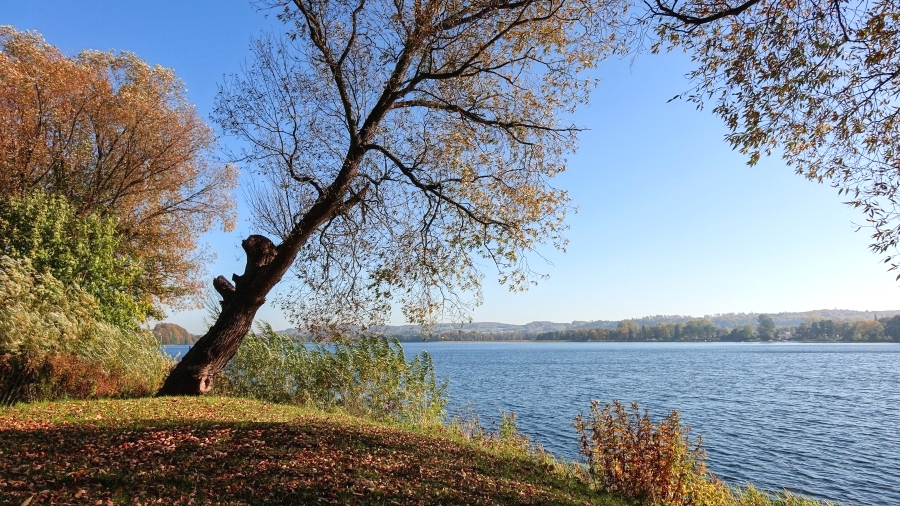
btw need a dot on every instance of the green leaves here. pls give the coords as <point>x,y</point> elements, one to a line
<point>366,376</point>
<point>76,250</point>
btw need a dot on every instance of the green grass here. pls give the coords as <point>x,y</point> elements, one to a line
<point>215,450</point>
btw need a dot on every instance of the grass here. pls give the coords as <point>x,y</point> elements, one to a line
<point>217,450</point>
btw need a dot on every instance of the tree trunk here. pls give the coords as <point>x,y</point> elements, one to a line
<point>266,264</point>
<point>194,374</point>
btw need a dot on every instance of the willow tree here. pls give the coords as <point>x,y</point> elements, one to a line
<point>399,147</point>
<point>817,80</point>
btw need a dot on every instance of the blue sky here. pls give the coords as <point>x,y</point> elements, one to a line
<point>670,221</point>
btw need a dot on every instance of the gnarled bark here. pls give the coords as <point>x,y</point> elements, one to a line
<point>195,373</point>
<point>266,264</point>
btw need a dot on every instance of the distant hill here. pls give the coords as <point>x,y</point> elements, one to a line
<point>732,320</point>
<point>169,333</point>
<point>496,330</point>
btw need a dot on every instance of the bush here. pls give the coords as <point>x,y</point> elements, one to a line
<point>366,376</point>
<point>53,343</point>
<point>658,464</point>
<point>653,463</point>
<point>84,250</point>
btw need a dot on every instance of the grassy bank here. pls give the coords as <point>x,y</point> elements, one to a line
<point>238,451</point>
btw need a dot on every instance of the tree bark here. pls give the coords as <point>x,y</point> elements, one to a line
<point>266,265</point>
<point>195,373</point>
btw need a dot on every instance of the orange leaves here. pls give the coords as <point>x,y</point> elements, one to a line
<point>146,452</point>
<point>116,137</point>
<point>628,454</point>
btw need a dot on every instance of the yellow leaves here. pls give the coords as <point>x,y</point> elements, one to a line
<point>125,141</point>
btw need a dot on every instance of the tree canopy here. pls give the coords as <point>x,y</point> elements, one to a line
<point>442,121</point>
<point>117,138</point>
<point>401,148</point>
<point>816,80</point>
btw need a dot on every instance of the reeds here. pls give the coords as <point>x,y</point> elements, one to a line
<point>366,376</point>
<point>53,345</point>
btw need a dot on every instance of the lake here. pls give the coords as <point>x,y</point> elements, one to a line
<point>816,419</point>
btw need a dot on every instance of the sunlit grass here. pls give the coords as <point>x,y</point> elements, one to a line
<point>238,451</point>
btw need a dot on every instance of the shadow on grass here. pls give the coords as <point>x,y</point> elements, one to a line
<point>308,461</point>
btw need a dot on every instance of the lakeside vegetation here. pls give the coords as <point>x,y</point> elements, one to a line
<point>55,343</point>
<point>217,450</point>
<point>703,329</point>
<point>101,204</point>
<point>726,328</point>
<point>308,444</point>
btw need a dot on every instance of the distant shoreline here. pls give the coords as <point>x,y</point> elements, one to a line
<point>404,341</point>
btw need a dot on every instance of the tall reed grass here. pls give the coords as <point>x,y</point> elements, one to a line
<point>53,344</point>
<point>366,376</point>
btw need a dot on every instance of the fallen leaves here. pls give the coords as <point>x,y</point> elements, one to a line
<point>204,451</point>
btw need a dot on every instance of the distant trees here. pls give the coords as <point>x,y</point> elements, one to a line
<point>628,330</point>
<point>892,327</point>
<point>766,328</point>
<point>169,333</point>
<point>817,329</point>
<point>867,330</point>
<point>579,335</point>
<point>699,329</point>
<point>118,139</point>
<point>702,329</point>
<point>745,332</point>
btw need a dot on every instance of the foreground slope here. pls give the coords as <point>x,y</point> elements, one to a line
<point>236,451</point>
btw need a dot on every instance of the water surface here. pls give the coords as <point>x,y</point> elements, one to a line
<point>817,419</point>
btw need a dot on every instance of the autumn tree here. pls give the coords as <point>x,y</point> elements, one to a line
<point>814,80</point>
<point>118,139</point>
<point>398,148</point>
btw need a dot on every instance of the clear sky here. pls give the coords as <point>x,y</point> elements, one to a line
<point>670,220</point>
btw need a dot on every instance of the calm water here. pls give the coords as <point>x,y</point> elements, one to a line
<point>817,419</point>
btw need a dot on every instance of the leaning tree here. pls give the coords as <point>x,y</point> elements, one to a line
<point>398,148</point>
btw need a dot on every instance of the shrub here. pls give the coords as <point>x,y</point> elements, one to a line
<point>366,376</point>
<point>53,343</point>
<point>74,249</point>
<point>654,463</point>
<point>658,464</point>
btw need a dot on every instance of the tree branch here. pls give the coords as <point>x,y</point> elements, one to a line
<point>661,9</point>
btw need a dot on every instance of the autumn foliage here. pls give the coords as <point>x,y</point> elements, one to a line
<point>55,344</point>
<point>238,451</point>
<point>628,454</point>
<point>116,137</point>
